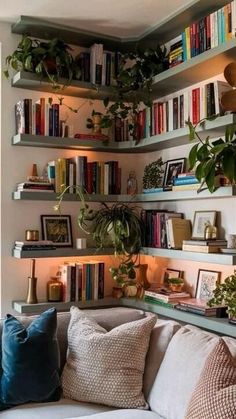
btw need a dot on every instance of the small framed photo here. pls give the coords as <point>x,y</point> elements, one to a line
<point>200,221</point>
<point>57,228</point>
<point>171,273</point>
<point>173,168</point>
<point>206,283</point>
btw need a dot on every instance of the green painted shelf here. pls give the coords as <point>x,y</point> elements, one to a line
<point>60,252</point>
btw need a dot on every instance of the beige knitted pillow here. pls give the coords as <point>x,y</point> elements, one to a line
<point>106,367</point>
<point>215,394</point>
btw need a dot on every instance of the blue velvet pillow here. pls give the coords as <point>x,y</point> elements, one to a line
<point>30,360</point>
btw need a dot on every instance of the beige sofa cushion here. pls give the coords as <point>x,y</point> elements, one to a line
<point>161,336</point>
<point>123,414</point>
<point>180,371</point>
<point>215,394</point>
<point>106,367</point>
<point>56,410</point>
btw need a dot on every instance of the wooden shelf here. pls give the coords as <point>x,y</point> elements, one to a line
<point>30,81</point>
<point>171,139</point>
<point>213,324</point>
<point>60,252</point>
<point>223,192</point>
<point>216,258</point>
<point>199,68</point>
<point>24,308</point>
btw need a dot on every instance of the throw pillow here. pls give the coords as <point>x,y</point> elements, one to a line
<point>30,360</point>
<point>106,367</point>
<point>215,394</point>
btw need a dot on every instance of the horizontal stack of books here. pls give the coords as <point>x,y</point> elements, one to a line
<point>34,186</point>
<point>204,246</point>
<point>82,281</point>
<point>34,245</point>
<point>164,229</point>
<point>165,297</point>
<point>200,307</point>
<point>208,32</point>
<point>186,181</point>
<point>95,177</point>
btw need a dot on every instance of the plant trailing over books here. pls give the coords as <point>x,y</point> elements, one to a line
<point>118,224</point>
<point>153,175</point>
<point>212,158</point>
<point>225,293</point>
<point>52,59</point>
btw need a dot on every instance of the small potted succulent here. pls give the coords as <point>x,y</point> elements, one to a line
<point>225,294</point>
<point>176,284</point>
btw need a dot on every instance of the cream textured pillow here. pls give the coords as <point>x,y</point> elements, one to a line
<point>215,394</point>
<point>106,367</point>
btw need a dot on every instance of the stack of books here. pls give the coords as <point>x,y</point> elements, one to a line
<point>34,245</point>
<point>34,186</point>
<point>176,51</point>
<point>197,306</point>
<point>186,181</point>
<point>204,246</point>
<point>164,297</point>
<point>82,281</point>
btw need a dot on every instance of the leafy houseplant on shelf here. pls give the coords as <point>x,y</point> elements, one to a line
<point>225,293</point>
<point>213,158</point>
<point>119,226</point>
<point>51,60</point>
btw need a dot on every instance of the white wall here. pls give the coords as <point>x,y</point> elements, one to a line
<point>17,216</point>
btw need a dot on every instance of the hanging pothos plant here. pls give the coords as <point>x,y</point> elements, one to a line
<point>212,158</point>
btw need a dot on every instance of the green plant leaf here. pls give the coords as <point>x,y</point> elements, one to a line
<point>210,179</point>
<point>202,153</point>
<point>6,74</point>
<point>230,132</point>
<point>229,165</point>
<point>193,156</point>
<point>199,173</point>
<point>218,149</point>
<point>191,130</point>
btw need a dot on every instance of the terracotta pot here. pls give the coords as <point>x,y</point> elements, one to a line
<point>176,287</point>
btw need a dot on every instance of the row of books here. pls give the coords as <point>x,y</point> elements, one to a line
<point>165,229</point>
<point>82,281</point>
<point>95,177</point>
<point>170,114</point>
<point>208,32</point>
<point>99,66</point>
<point>40,118</point>
<point>183,301</point>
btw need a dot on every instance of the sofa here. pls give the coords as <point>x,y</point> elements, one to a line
<point>170,375</point>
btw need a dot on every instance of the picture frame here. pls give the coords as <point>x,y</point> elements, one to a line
<point>57,228</point>
<point>200,221</point>
<point>206,283</point>
<point>171,273</point>
<point>173,168</point>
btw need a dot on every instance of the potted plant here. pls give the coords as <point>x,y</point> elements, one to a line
<point>52,59</point>
<point>213,158</point>
<point>153,175</point>
<point>98,121</point>
<point>176,284</point>
<point>118,225</point>
<point>225,294</point>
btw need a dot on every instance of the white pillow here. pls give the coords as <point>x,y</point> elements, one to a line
<point>106,367</point>
<point>180,371</point>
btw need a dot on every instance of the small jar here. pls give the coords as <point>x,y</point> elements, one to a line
<point>132,186</point>
<point>54,289</point>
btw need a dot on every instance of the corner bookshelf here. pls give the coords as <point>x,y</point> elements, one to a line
<point>175,138</point>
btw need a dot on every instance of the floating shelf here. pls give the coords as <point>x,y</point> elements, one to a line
<point>30,81</point>
<point>217,258</point>
<point>24,308</point>
<point>223,192</point>
<point>60,252</point>
<point>213,324</point>
<point>199,68</point>
<point>171,139</point>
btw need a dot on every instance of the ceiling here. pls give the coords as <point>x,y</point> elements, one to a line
<point>122,18</point>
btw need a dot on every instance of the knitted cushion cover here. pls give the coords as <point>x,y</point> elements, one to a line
<point>215,394</point>
<point>106,367</point>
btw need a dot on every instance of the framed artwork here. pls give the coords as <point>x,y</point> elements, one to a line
<point>206,283</point>
<point>57,228</point>
<point>171,273</point>
<point>200,221</point>
<point>173,168</point>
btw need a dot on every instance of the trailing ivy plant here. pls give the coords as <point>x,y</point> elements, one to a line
<point>225,293</point>
<point>212,158</point>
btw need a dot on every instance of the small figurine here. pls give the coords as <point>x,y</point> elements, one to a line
<point>132,186</point>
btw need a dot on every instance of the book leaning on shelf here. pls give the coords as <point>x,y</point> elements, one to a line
<point>82,281</point>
